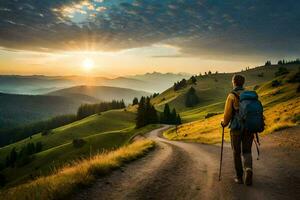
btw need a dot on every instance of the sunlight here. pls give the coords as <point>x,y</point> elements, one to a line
<point>88,64</point>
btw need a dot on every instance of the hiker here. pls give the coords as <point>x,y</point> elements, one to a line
<point>241,140</point>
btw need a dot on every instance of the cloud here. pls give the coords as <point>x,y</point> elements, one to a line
<point>197,28</point>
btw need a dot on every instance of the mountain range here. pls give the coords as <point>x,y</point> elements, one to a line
<point>39,84</point>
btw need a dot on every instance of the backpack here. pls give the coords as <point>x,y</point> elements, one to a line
<point>249,118</point>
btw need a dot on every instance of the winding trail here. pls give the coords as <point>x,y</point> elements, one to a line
<point>181,170</point>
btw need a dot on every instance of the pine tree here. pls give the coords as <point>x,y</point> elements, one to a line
<point>193,80</point>
<point>153,116</point>
<point>135,101</point>
<point>191,98</point>
<point>173,117</point>
<point>140,120</point>
<point>167,114</point>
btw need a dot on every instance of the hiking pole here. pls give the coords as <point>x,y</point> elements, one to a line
<point>221,159</point>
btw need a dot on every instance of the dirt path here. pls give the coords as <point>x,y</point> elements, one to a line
<point>179,170</point>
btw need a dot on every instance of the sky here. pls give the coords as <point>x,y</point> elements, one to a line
<point>123,37</point>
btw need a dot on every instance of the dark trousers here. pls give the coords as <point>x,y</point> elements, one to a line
<point>241,146</point>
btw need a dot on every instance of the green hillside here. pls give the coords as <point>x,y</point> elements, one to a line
<point>280,98</point>
<point>16,110</point>
<point>100,132</point>
<point>213,89</point>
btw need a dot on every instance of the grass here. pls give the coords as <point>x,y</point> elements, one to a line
<point>107,131</point>
<point>213,89</point>
<point>282,110</point>
<point>201,112</point>
<point>107,121</point>
<point>46,161</point>
<point>69,178</point>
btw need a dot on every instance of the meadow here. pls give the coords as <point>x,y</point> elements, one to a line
<point>281,110</point>
<point>100,132</point>
<point>77,175</point>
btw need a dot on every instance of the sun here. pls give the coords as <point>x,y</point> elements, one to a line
<point>87,64</point>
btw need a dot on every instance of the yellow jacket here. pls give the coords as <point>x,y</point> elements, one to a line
<point>232,104</point>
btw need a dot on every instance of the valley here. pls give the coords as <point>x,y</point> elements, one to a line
<point>107,131</point>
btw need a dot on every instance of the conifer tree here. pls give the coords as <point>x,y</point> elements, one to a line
<point>140,120</point>
<point>167,114</point>
<point>135,101</point>
<point>173,117</point>
<point>191,98</point>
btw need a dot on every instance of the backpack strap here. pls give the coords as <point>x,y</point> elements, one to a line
<point>236,96</point>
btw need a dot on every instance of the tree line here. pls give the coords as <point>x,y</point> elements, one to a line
<point>184,83</point>
<point>86,110</point>
<point>283,62</point>
<point>16,134</point>
<point>24,156</point>
<point>147,114</point>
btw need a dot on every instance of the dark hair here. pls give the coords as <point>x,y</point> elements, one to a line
<point>238,80</point>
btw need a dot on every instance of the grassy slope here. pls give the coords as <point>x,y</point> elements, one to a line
<point>282,109</point>
<point>212,90</point>
<point>85,127</point>
<point>69,178</point>
<point>18,110</point>
<point>106,131</point>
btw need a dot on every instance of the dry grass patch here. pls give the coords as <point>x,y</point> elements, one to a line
<point>208,131</point>
<point>69,178</point>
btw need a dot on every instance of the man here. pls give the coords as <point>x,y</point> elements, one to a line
<point>240,143</point>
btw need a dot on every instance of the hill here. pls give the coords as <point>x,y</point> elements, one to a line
<point>212,90</point>
<point>103,93</point>
<point>18,110</point>
<point>39,84</point>
<point>99,132</point>
<point>281,101</point>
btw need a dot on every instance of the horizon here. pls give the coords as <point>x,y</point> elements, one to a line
<point>90,75</point>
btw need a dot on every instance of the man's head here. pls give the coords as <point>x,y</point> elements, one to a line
<point>238,80</point>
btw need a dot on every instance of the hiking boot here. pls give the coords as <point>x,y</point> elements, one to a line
<point>248,176</point>
<point>238,180</point>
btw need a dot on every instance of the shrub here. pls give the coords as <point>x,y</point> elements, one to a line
<point>208,115</point>
<point>46,132</point>
<point>298,89</point>
<point>256,87</point>
<point>78,142</point>
<point>276,83</point>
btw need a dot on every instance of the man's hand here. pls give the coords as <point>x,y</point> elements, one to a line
<point>222,124</point>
